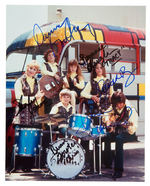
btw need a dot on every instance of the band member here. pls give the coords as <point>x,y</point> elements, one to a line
<point>98,91</point>
<point>74,80</point>
<point>64,109</point>
<point>121,120</point>
<point>51,68</point>
<point>28,95</point>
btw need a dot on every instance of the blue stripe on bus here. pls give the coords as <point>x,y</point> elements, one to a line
<point>117,28</point>
<point>141,97</point>
<point>10,84</point>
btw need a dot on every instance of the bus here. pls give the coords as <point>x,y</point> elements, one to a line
<point>120,49</point>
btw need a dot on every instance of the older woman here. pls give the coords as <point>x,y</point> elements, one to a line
<point>28,95</point>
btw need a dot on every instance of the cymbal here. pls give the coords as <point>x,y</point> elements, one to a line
<point>56,116</point>
<point>42,119</point>
<point>57,119</point>
<point>49,117</point>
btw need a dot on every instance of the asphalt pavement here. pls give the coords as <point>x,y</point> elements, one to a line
<point>134,169</point>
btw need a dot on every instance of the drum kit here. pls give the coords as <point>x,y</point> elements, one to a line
<point>65,156</point>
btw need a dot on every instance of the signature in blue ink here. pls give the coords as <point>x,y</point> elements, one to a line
<point>122,72</point>
<point>68,27</point>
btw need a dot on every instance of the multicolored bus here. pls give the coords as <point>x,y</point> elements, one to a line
<point>122,51</point>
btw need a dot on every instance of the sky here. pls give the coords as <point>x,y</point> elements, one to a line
<point>23,17</point>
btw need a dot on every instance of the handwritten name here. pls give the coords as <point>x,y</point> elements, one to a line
<point>65,153</point>
<point>130,79</point>
<point>68,31</point>
<point>109,58</point>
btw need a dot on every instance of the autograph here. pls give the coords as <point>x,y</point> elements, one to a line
<point>65,153</point>
<point>68,27</point>
<point>121,74</point>
<point>32,107</point>
<point>108,58</point>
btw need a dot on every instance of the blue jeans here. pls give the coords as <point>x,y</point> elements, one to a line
<point>119,140</point>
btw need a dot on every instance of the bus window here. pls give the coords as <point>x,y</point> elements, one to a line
<point>89,53</point>
<point>19,59</point>
<point>117,56</point>
<point>121,66</point>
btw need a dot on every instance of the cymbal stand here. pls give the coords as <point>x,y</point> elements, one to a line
<point>50,131</point>
<point>100,153</point>
<point>94,157</point>
<point>51,141</point>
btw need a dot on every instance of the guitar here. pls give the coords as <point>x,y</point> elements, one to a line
<point>50,86</point>
<point>119,126</point>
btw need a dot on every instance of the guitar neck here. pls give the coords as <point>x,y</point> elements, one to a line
<point>118,123</point>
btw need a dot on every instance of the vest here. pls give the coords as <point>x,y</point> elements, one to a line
<point>26,88</point>
<point>96,89</point>
<point>50,70</point>
<point>72,87</point>
<point>103,94</point>
<point>48,67</point>
<point>63,112</point>
<point>25,113</point>
<point>123,116</point>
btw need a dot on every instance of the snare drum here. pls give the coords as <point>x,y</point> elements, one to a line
<point>79,125</point>
<point>27,141</point>
<point>97,131</point>
<point>65,158</point>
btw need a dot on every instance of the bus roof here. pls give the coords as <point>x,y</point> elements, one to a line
<point>67,31</point>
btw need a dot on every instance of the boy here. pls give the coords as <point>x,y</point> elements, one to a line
<point>64,109</point>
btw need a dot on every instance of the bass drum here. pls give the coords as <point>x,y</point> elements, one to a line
<point>65,158</point>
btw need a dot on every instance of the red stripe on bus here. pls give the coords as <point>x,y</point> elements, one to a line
<point>13,98</point>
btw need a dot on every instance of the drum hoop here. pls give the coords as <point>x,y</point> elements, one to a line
<point>79,129</point>
<point>81,115</point>
<point>83,151</point>
<point>26,155</point>
<point>30,129</point>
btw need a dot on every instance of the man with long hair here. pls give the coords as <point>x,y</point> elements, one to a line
<point>121,122</point>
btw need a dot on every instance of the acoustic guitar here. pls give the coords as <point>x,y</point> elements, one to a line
<point>50,86</point>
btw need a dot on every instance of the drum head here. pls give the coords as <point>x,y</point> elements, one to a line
<point>65,158</point>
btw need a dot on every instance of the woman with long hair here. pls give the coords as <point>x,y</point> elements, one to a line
<point>97,94</point>
<point>74,80</point>
<point>98,90</point>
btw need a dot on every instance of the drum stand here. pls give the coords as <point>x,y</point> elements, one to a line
<point>13,159</point>
<point>49,173</point>
<point>14,153</point>
<point>100,153</point>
